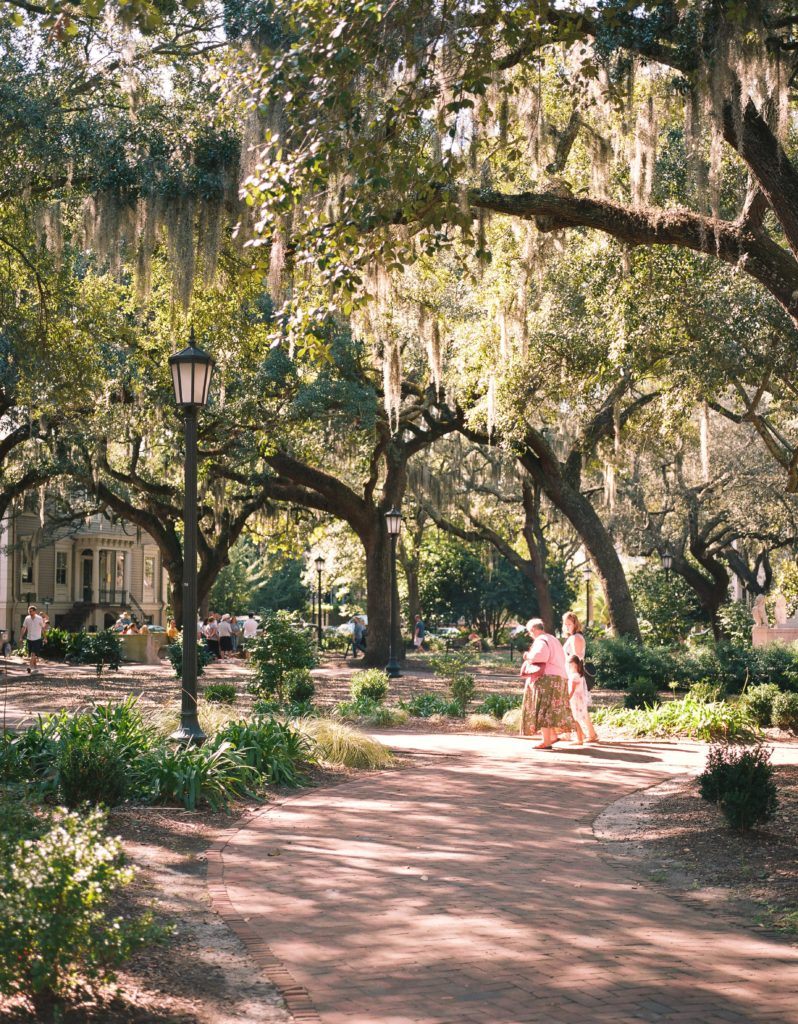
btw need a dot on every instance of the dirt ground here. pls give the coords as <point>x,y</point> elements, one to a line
<point>670,838</point>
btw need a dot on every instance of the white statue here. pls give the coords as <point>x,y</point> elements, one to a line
<point>759,611</point>
<point>780,611</point>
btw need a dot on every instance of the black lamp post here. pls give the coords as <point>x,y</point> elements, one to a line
<point>191,377</point>
<point>667,561</point>
<point>587,574</point>
<point>319,568</point>
<point>393,521</point>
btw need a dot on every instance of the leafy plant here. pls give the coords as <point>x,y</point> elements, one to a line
<point>58,880</point>
<point>498,704</point>
<point>425,705</point>
<point>642,694</point>
<point>102,648</point>
<point>706,690</point>
<point>271,748</point>
<point>280,646</point>
<point>174,653</point>
<point>452,668</point>
<point>220,693</point>
<point>92,769</point>
<point>482,723</point>
<point>335,743</point>
<point>299,686</point>
<point>372,684</point>
<point>685,717</point>
<point>740,781</point>
<point>759,702</point>
<point>370,712</point>
<point>785,712</point>
<point>192,776</point>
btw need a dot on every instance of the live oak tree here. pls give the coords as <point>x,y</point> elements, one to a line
<point>388,128</point>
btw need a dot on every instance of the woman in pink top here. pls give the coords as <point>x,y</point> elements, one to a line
<point>545,707</point>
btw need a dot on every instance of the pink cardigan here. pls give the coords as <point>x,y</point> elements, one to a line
<point>545,657</point>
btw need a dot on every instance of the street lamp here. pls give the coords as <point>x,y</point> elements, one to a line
<point>191,377</point>
<point>587,575</point>
<point>393,522</point>
<point>319,568</point>
<point>667,561</point>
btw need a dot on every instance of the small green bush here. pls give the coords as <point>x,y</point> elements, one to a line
<point>759,702</point>
<point>299,685</point>
<point>370,712</point>
<point>740,781</point>
<point>785,712</point>
<point>103,648</point>
<point>58,880</point>
<point>273,749</point>
<point>642,694</point>
<point>707,691</point>
<point>425,705</point>
<point>92,769</point>
<point>174,653</point>
<point>498,704</point>
<point>452,668</point>
<point>193,776</point>
<point>620,662</point>
<point>686,717</point>
<point>372,684</point>
<point>220,693</point>
<point>281,645</point>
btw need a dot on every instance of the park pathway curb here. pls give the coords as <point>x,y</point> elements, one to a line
<point>471,890</point>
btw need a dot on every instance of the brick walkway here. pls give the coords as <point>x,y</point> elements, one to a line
<point>470,890</point>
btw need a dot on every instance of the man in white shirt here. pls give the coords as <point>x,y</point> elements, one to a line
<point>33,630</point>
<point>250,626</point>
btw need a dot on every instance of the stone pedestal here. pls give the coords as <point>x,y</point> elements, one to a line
<point>786,634</point>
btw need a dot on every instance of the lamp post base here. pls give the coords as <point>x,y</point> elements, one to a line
<point>189,733</point>
<point>392,669</point>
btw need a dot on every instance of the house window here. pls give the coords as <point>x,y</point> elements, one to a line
<point>61,568</point>
<point>149,572</point>
<point>30,502</point>
<point>27,569</point>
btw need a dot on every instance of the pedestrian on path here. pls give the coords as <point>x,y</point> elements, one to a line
<point>575,647</point>
<point>419,633</point>
<point>578,698</point>
<point>545,706</point>
<point>33,628</point>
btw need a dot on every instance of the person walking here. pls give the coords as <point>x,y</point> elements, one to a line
<point>235,633</point>
<point>575,647</point>
<point>358,636</point>
<point>250,626</point>
<point>225,634</point>
<point>33,629</point>
<point>419,633</point>
<point>545,706</point>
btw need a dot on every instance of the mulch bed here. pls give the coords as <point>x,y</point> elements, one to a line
<point>673,839</point>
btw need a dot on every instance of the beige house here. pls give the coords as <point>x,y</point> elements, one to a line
<point>82,577</point>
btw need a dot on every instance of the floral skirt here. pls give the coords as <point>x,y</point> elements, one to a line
<point>546,706</point>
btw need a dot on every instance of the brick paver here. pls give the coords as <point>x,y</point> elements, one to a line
<point>471,890</point>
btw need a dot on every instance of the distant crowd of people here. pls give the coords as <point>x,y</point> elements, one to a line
<point>223,635</point>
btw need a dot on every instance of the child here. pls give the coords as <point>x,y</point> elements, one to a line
<point>579,699</point>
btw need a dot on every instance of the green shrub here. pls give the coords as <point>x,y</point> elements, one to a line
<point>620,662</point>
<point>498,704</point>
<point>92,769</point>
<point>666,606</point>
<point>370,712</point>
<point>103,648</point>
<point>685,717</point>
<point>56,929</point>
<point>785,712</point>
<point>425,705</point>
<point>193,776</point>
<point>335,743</point>
<point>372,684</point>
<point>642,694</point>
<point>299,685</point>
<point>759,702</point>
<point>56,644</point>
<point>452,668</point>
<point>735,621</point>
<point>273,749</point>
<point>174,653</point>
<point>707,691</point>
<point>740,781</point>
<point>220,693</point>
<point>281,645</point>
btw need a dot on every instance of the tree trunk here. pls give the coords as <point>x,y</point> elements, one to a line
<point>597,540</point>
<point>377,545</point>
